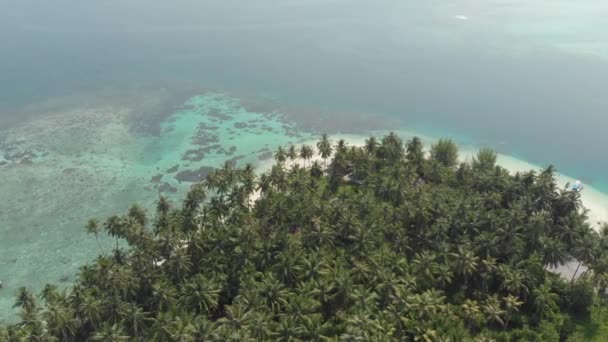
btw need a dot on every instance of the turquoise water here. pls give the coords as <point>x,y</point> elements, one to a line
<point>72,165</point>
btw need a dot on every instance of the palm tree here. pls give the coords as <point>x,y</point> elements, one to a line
<point>179,264</point>
<point>465,262</point>
<point>288,331</point>
<point>414,151</point>
<point>443,275</point>
<point>115,227</point>
<point>554,252</point>
<point>391,148</point>
<point>164,296</point>
<point>161,221</point>
<point>513,280</point>
<point>428,304</point>
<point>237,319</point>
<point>371,146</point>
<point>94,228</point>
<point>134,318</point>
<point>248,179</point>
<point>61,321</point>
<point>280,156</point>
<point>445,151</point>
<point>493,312</point>
<point>512,305</point>
<point>289,265</point>
<point>585,251</point>
<point>314,267</point>
<point>292,153</point>
<point>306,153</point>
<point>274,294</point>
<point>485,159</point>
<point>471,312</point>
<point>25,300</point>
<point>316,171</point>
<point>51,294</point>
<point>314,328</point>
<point>205,330</point>
<point>424,265</point>
<point>138,213</point>
<point>319,235</point>
<point>324,147</point>
<point>110,333</point>
<point>91,310</point>
<point>201,295</point>
<point>300,306</point>
<point>196,196</point>
<point>544,299</point>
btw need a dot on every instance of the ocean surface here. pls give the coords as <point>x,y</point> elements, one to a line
<point>103,104</point>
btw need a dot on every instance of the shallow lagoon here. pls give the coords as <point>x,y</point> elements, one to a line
<point>63,168</point>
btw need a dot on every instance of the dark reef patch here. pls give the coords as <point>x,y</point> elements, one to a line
<point>26,161</point>
<point>156,179</point>
<point>69,171</point>
<point>228,152</point>
<point>215,113</point>
<point>22,157</point>
<point>194,175</point>
<point>204,139</point>
<point>204,126</point>
<point>173,168</point>
<point>166,187</point>
<point>265,156</point>
<point>235,160</point>
<point>194,154</point>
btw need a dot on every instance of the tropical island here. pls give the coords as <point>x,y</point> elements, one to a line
<point>381,242</point>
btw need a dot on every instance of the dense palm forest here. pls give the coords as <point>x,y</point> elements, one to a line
<point>375,243</point>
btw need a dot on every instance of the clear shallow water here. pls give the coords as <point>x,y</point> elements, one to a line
<point>525,77</point>
<point>66,167</point>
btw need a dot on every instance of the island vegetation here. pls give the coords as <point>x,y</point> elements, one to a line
<point>382,242</point>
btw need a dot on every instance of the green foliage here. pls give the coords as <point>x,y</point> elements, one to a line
<point>445,151</point>
<point>379,244</point>
<point>485,159</point>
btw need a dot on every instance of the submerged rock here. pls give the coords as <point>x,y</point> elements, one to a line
<point>265,156</point>
<point>194,155</point>
<point>166,187</point>
<point>203,139</point>
<point>236,159</point>
<point>157,178</point>
<point>26,161</point>
<point>206,127</point>
<point>228,152</point>
<point>214,113</point>
<point>193,176</point>
<point>172,169</point>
